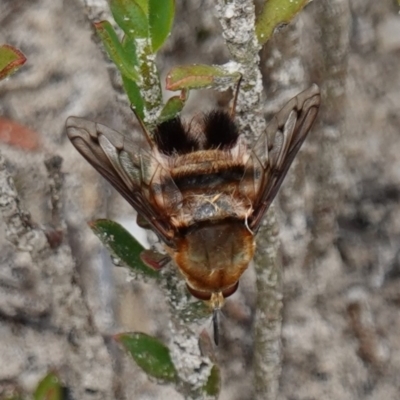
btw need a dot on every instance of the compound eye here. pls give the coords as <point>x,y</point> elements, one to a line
<point>199,294</point>
<point>229,292</point>
<point>205,295</point>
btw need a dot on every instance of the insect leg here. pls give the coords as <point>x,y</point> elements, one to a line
<point>235,97</point>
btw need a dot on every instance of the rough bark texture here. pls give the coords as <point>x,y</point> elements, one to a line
<point>338,211</point>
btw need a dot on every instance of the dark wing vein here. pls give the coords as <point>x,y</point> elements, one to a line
<point>112,155</point>
<point>276,151</point>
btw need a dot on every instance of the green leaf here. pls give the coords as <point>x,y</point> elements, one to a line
<point>130,86</point>
<point>198,76</point>
<point>49,388</point>
<point>134,95</point>
<point>275,13</point>
<point>150,355</point>
<point>129,49</point>
<point>144,5</point>
<point>161,16</point>
<point>130,17</point>
<point>122,244</point>
<point>213,384</point>
<point>124,60</point>
<point>171,109</point>
<point>10,60</point>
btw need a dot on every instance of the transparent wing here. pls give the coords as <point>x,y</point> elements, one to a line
<point>274,151</point>
<point>116,157</point>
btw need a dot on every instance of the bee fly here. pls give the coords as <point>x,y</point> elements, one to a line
<point>199,187</point>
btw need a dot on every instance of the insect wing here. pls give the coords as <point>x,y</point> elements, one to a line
<point>113,155</point>
<point>275,150</point>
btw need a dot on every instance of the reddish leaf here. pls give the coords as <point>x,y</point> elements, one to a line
<point>154,260</point>
<point>10,60</point>
<point>18,135</point>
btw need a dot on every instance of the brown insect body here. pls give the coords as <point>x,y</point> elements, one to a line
<point>213,257</point>
<point>200,188</point>
<point>206,203</point>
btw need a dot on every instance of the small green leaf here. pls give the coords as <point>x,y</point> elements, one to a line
<point>171,109</point>
<point>130,17</point>
<point>49,388</point>
<point>130,86</point>
<point>10,60</point>
<point>275,13</point>
<point>213,384</point>
<point>161,16</point>
<point>134,95</point>
<point>198,76</point>
<point>122,244</point>
<point>124,60</point>
<point>150,355</point>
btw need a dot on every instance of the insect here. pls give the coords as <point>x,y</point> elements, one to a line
<point>199,187</point>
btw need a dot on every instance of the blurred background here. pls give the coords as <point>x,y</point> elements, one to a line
<point>338,210</point>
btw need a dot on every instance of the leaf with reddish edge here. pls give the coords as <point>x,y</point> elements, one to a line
<point>10,60</point>
<point>198,76</point>
<point>275,13</point>
<point>124,61</point>
<point>122,244</point>
<point>18,135</point>
<point>149,354</point>
<point>154,260</point>
<point>49,388</point>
